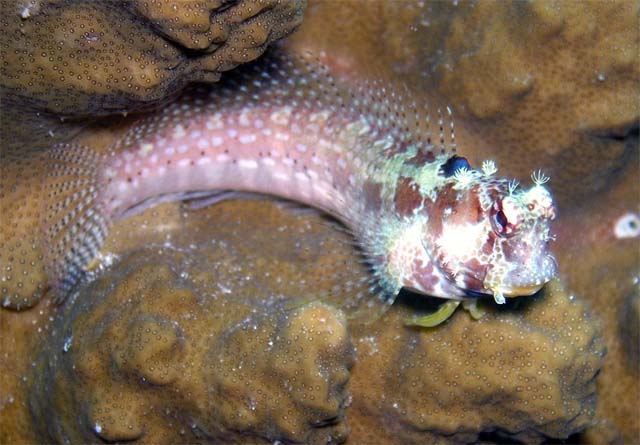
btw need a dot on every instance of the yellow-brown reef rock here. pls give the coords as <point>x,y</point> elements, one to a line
<point>535,85</point>
<point>68,59</point>
<point>182,341</point>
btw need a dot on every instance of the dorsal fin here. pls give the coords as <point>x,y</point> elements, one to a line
<point>390,108</point>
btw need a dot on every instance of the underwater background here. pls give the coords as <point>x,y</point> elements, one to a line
<point>235,322</point>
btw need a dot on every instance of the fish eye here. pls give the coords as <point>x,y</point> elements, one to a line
<point>499,221</point>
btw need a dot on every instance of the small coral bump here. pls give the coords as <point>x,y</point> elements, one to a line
<point>539,178</point>
<point>489,167</point>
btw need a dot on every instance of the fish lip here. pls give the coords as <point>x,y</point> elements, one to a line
<point>518,291</point>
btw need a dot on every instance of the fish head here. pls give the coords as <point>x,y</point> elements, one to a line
<point>493,238</point>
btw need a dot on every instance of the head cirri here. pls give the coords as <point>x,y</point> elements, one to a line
<point>491,237</point>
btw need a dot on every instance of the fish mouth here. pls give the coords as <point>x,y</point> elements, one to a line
<point>518,291</point>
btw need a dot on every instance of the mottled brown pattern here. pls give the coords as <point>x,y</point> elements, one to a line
<point>487,247</point>
<point>407,197</point>
<point>474,277</point>
<point>446,198</point>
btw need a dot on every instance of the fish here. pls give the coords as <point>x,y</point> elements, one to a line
<point>367,153</point>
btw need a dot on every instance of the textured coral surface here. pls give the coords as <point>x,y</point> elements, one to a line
<point>226,325</point>
<point>535,85</point>
<point>545,84</point>
<point>157,358</point>
<point>540,84</point>
<point>76,59</point>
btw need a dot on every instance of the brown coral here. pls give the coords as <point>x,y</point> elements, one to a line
<point>604,269</point>
<point>524,374</point>
<point>537,84</point>
<point>596,265</point>
<point>23,279</point>
<point>155,359</point>
<point>201,311</point>
<point>556,82</point>
<point>78,59</point>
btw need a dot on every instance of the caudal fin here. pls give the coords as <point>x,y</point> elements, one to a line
<point>73,219</point>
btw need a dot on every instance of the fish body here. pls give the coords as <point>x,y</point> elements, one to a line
<point>368,155</point>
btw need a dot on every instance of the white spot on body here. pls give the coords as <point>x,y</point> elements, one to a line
<point>122,187</point>
<point>145,149</point>
<point>179,132</point>
<point>319,117</point>
<point>248,164</point>
<point>216,141</point>
<point>459,241</point>
<point>247,138</point>
<point>243,119</point>
<point>281,117</point>
<point>222,157</point>
<point>215,122</point>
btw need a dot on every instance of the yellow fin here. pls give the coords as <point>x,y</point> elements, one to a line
<point>474,309</point>
<point>441,315</point>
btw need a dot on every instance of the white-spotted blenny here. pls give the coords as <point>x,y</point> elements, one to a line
<point>368,155</point>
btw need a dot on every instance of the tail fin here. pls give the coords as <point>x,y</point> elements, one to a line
<point>73,218</point>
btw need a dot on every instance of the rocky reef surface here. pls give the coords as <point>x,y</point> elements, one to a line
<point>229,325</point>
<point>242,321</point>
<point>543,84</point>
<point>72,60</point>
